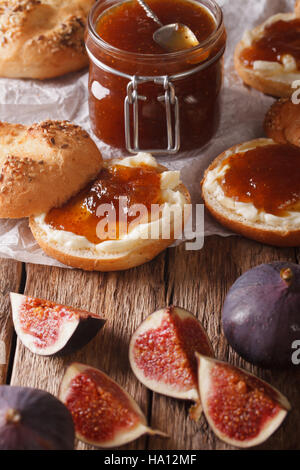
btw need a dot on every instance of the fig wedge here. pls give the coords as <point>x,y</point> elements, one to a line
<point>48,328</point>
<point>162,353</point>
<point>104,414</point>
<point>241,409</point>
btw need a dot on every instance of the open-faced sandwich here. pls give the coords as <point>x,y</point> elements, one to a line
<point>122,219</point>
<point>268,57</point>
<point>254,188</point>
<point>84,212</point>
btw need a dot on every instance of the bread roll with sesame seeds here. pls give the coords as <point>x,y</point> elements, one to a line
<point>43,165</point>
<point>282,122</point>
<point>42,38</point>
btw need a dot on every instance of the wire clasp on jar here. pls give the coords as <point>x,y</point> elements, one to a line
<point>169,98</point>
<point>171,107</point>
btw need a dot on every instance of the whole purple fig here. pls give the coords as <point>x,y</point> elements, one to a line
<point>32,419</point>
<point>261,314</point>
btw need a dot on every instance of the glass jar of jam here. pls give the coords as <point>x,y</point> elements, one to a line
<point>142,98</point>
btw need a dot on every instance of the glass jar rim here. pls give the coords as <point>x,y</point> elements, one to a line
<point>184,54</point>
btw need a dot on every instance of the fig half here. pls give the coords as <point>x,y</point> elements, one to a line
<point>32,419</point>
<point>48,328</point>
<point>162,353</point>
<point>242,409</point>
<point>104,414</point>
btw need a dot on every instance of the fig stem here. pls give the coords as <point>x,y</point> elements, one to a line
<point>286,275</point>
<point>195,411</point>
<point>156,432</point>
<point>12,416</point>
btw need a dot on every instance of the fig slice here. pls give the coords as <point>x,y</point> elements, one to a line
<point>104,414</point>
<point>32,419</point>
<point>242,409</point>
<point>162,353</point>
<point>48,328</point>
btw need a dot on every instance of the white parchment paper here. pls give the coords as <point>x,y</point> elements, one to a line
<point>243,110</point>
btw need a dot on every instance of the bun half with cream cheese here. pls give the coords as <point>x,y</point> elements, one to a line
<point>268,76</point>
<point>239,213</point>
<point>75,245</point>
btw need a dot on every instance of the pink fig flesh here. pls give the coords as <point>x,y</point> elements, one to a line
<point>242,409</point>
<point>162,352</point>
<point>47,328</point>
<point>104,414</point>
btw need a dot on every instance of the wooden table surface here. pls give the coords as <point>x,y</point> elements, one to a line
<point>197,281</point>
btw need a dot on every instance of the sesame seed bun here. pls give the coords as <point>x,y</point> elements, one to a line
<point>43,165</point>
<point>282,122</point>
<point>42,38</point>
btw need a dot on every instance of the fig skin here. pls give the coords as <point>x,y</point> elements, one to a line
<point>120,436</point>
<point>206,391</point>
<point>88,328</point>
<point>32,419</point>
<point>261,314</point>
<point>76,334</point>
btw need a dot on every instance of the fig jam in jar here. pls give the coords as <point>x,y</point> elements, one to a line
<point>142,98</point>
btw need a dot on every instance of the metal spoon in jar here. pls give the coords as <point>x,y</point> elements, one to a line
<point>172,37</point>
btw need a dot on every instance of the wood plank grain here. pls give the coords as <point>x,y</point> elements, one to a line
<point>124,299</point>
<point>10,280</point>
<point>198,281</point>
